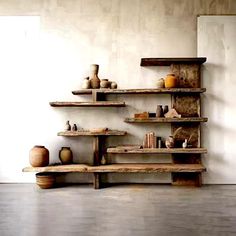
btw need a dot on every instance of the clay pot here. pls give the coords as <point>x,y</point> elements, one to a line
<point>39,156</point>
<point>166,109</point>
<point>113,85</point>
<point>94,80</point>
<point>171,81</point>
<point>86,83</point>
<point>65,155</point>
<point>45,180</point>
<point>67,126</point>
<point>160,83</point>
<point>170,142</point>
<point>159,111</point>
<point>104,83</point>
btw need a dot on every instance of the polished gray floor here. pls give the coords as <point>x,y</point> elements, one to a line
<point>119,210</point>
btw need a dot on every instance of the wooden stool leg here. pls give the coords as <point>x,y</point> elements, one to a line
<point>96,181</point>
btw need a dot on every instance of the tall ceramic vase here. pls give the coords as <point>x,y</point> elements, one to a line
<point>94,80</point>
<point>39,156</point>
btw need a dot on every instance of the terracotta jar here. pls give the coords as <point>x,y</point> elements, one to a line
<point>171,81</point>
<point>94,80</point>
<point>104,83</point>
<point>65,155</point>
<point>45,180</point>
<point>39,156</point>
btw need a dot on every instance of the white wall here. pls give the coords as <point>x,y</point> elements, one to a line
<point>74,34</point>
<point>216,40</point>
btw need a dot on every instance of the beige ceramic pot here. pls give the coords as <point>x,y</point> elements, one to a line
<point>104,83</point>
<point>65,155</point>
<point>45,180</point>
<point>94,80</point>
<point>160,83</point>
<point>39,156</point>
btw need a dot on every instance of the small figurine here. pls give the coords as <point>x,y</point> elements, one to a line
<point>74,128</point>
<point>166,109</point>
<point>185,143</point>
<point>170,142</point>
<point>67,126</point>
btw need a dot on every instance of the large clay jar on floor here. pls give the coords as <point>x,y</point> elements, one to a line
<point>171,81</point>
<point>65,155</point>
<point>94,80</point>
<point>39,156</point>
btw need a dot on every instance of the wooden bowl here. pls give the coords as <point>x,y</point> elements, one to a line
<point>45,180</point>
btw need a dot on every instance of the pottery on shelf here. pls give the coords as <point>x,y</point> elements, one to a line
<point>103,160</point>
<point>104,83</point>
<point>65,155</point>
<point>67,126</point>
<point>74,127</point>
<point>39,156</point>
<point>94,80</point>
<point>113,85</point>
<point>171,81</point>
<point>185,143</point>
<point>86,83</point>
<point>45,180</point>
<point>159,111</point>
<point>170,142</point>
<point>166,109</point>
<point>160,83</point>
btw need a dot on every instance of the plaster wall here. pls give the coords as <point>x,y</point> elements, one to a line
<point>72,35</point>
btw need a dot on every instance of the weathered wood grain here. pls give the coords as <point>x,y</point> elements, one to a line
<point>170,61</point>
<point>121,150</point>
<point>88,104</point>
<point>91,133</point>
<point>139,91</point>
<point>116,168</point>
<point>166,120</point>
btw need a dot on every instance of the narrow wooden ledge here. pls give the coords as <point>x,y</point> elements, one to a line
<point>121,150</point>
<point>167,120</point>
<point>91,133</point>
<point>139,91</point>
<point>88,104</point>
<point>169,61</point>
<point>120,168</point>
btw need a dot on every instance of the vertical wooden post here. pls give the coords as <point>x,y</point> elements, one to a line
<point>188,106</point>
<point>96,180</point>
<point>96,151</point>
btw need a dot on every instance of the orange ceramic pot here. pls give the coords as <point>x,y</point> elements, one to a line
<point>171,81</point>
<point>39,156</point>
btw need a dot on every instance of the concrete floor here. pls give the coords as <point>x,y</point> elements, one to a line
<point>119,210</point>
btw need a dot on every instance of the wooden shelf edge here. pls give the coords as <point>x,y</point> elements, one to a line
<point>90,133</point>
<point>120,168</point>
<point>139,91</point>
<point>157,151</point>
<point>88,104</point>
<point>166,120</point>
<point>169,61</point>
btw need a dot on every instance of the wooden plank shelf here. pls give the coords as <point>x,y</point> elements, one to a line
<point>170,61</point>
<point>120,168</point>
<point>92,133</point>
<point>139,91</point>
<point>121,150</point>
<point>88,104</point>
<point>166,120</point>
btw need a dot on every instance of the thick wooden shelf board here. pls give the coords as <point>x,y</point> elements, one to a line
<point>121,150</point>
<point>139,91</point>
<point>169,61</point>
<point>91,133</point>
<point>166,120</point>
<point>123,168</point>
<point>87,104</point>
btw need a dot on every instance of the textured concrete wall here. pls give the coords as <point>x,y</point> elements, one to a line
<point>74,34</point>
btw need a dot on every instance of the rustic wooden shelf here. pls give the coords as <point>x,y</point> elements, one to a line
<point>121,150</point>
<point>166,120</point>
<point>170,61</point>
<point>139,91</point>
<point>120,168</point>
<point>91,133</point>
<point>87,104</point>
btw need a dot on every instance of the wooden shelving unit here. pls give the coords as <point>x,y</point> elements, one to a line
<point>87,104</point>
<point>121,150</point>
<point>186,166</point>
<point>167,120</point>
